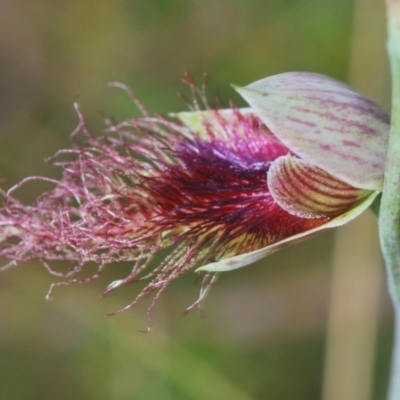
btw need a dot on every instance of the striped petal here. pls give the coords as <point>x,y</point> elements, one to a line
<point>326,123</point>
<point>309,192</point>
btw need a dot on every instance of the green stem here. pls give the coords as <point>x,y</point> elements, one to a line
<point>394,386</point>
<point>389,216</point>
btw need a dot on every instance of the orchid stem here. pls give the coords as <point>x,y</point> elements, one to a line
<point>390,206</point>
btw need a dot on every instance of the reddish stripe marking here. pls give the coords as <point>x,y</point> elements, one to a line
<point>308,193</point>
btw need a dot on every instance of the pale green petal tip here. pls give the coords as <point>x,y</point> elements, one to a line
<point>249,93</point>
<point>242,260</point>
<point>242,90</point>
<point>194,120</point>
<point>236,87</point>
<point>199,121</point>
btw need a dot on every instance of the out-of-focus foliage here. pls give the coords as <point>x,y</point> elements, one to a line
<point>263,335</point>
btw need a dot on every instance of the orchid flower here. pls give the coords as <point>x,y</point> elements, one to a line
<point>211,190</point>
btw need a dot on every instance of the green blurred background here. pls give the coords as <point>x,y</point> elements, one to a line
<point>263,334</point>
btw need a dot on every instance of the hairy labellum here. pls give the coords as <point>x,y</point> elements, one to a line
<point>215,190</point>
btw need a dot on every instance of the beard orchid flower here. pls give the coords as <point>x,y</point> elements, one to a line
<point>213,190</point>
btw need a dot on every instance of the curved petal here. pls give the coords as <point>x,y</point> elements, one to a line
<point>243,260</point>
<point>307,191</point>
<point>326,123</point>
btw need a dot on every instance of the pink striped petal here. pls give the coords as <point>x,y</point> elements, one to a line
<point>309,192</point>
<point>326,123</point>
